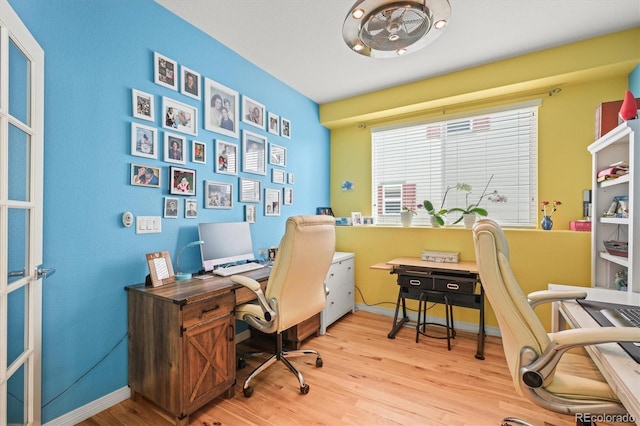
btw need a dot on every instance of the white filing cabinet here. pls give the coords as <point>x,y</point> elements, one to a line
<point>340,283</point>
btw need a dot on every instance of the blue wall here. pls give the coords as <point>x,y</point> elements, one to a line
<point>634,81</point>
<point>96,51</point>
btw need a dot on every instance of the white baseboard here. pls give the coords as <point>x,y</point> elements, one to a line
<point>91,409</point>
<point>413,316</point>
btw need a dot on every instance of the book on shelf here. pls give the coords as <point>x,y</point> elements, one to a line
<point>606,177</point>
<point>613,171</point>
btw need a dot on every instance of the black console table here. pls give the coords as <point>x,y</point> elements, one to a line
<point>459,283</point>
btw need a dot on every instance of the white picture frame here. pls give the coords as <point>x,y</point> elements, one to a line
<point>198,152</point>
<point>272,202</point>
<point>143,105</point>
<point>226,161</point>
<point>273,123</point>
<point>277,155</point>
<point>285,128</point>
<point>254,153</point>
<point>175,148</point>
<point>278,176</point>
<point>170,207</point>
<point>216,98</point>
<point>250,213</point>
<point>288,196</point>
<point>218,195</point>
<point>190,85</point>
<point>179,117</point>
<point>253,112</point>
<point>144,141</point>
<point>165,71</point>
<point>190,208</point>
<point>249,190</point>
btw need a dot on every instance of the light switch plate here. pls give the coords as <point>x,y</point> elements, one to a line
<point>148,225</point>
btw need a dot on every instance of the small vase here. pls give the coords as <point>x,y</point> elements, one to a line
<point>469,219</point>
<point>434,222</point>
<point>546,223</point>
<point>406,218</point>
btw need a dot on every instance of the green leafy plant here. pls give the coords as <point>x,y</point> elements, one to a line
<point>437,215</point>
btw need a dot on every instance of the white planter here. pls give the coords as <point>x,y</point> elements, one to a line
<point>434,222</point>
<point>406,218</point>
<point>469,219</point>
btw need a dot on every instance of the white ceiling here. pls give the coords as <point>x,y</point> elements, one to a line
<point>300,41</point>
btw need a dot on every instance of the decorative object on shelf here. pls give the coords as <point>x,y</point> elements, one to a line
<point>629,109</point>
<point>469,219</point>
<point>437,217</point>
<point>440,256</point>
<point>160,269</point>
<point>547,223</point>
<point>387,29</point>
<point>406,215</point>
<point>181,275</point>
<point>617,248</point>
<point>621,280</point>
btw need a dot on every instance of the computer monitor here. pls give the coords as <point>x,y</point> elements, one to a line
<point>224,242</point>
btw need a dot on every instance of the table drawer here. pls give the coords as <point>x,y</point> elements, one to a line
<point>416,282</point>
<point>454,285</point>
<point>208,309</point>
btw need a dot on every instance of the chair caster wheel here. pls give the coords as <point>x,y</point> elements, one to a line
<point>318,362</point>
<point>241,364</point>
<point>248,392</point>
<point>304,389</point>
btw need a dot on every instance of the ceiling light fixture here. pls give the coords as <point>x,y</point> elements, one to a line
<point>386,29</point>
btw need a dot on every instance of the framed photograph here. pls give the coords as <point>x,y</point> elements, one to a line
<point>254,153</point>
<point>249,190</point>
<point>285,128</point>
<point>290,178</point>
<point>367,220</point>
<point>324,211</point>
<point>277,176</point>
<point>144,141</point>
<point>190,82</point>
<point>165,71</point>
<point>272,202</point>
<point>226,158</point>
<point>191,208</point>
<point>253,112</point>
<point>250,214</point>
<point>277,155</point>
<point>143,105</point>
<point>218,195</point>
<point>175,148</point>
<point>180,117</point>
<point>182,181</point>
<point>142,175</point>
<point>273,123</point>
<point>220,108</point>
<point>198,152</point>
<point>356,218</point>
<point>160,268</point>
<point>170,208</point>
<point>288,196</point>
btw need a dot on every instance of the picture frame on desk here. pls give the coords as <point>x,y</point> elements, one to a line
<point>324,211</point>
<point>356,219</point>
<point>160,268</point>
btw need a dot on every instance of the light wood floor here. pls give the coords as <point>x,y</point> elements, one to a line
<point>367,379</point>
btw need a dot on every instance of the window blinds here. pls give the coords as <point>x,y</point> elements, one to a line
<point>420,161</point>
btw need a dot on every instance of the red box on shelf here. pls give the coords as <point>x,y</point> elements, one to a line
<point>607,116</point>
<point>580,225</point>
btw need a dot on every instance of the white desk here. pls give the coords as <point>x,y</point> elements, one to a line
<point>619,369</point>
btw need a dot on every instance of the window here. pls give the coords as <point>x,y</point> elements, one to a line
<point>495,150</point>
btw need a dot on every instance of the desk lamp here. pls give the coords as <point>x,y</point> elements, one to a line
<point>180,275</point>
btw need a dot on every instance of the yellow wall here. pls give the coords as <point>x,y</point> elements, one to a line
<point>587,72</point>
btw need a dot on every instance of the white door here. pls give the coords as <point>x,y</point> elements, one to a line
<point>21,167</point>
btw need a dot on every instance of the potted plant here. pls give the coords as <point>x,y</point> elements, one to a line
<point>406,215</point>
<point>437,217</point>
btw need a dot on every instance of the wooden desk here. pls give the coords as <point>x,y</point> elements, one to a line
<point>618,368</point>
<point>182,341</point>
<point>460,283</point>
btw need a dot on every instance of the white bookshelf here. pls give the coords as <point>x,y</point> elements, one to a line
<point>620,144</point>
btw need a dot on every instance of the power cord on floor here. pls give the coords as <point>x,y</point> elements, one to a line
<point>431,305</point>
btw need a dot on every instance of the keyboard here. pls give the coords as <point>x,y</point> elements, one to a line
<point>623,317</point>
<point>237,269</point>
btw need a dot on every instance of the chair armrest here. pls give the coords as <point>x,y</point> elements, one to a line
<point>535,373</point>
<point>253,285</point>
<point>545,296</point>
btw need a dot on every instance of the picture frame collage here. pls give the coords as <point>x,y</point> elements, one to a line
<point>240,146</point>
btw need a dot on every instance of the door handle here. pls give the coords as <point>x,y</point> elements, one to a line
<point>44,272</point>
<point>17,273</point>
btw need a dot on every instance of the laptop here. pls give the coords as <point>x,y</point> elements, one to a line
<point>616,315</point>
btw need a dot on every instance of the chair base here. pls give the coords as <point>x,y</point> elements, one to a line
<point>279,355</point>
<point>508,421</point>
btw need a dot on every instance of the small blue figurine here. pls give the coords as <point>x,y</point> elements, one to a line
<point>621,280</point>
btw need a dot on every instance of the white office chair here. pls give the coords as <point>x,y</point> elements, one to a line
<point>551,369</point>
<point>295,291</point>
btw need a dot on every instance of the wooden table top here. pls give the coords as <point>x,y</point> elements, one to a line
<point>419,263</point>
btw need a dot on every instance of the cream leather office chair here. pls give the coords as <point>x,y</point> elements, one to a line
<point>295,290</point>
<point>551,369</point>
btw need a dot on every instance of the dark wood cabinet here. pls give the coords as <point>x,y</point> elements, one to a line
<point>182,342</point>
